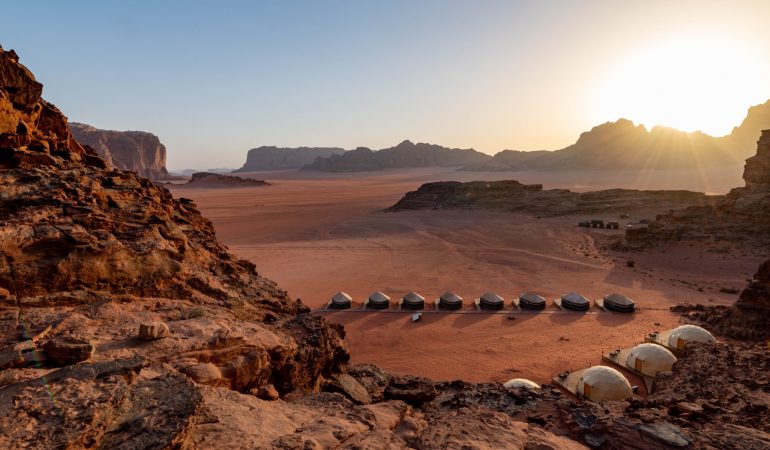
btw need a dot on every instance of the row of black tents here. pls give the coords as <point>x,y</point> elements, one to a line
<point>487,301</point>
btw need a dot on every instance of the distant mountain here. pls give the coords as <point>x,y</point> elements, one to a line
<point>137,151</point>
<point>405,154</point>
<point>277,158</point>
<point>622,145</point>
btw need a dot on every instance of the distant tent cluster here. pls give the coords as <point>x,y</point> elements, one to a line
<point>646,360</point>
<point>488,301</point>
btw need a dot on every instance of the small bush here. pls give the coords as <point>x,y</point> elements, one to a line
<point>189,313</point>
<point>630,263</point>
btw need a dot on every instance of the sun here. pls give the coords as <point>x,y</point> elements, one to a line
<point>703,83</point>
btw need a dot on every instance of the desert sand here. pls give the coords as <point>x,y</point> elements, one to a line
<point>316,234</point>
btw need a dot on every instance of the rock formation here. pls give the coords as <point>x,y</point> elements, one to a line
<point>514,196</point>
<point>742,215</point>
<point>405,154</point>
<point>621,145</point>
<point>33,132</point>
<point>137,151</point>
<point>214,180</point>
<point>748,319</point>
<point>87,254</point>
<point>277,158</point>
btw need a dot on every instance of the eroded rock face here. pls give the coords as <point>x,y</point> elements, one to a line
<point>137,151</point>
<point>87,255</point>
<point>33,132</point>
<point>748,319</point>
<point>743,215</point>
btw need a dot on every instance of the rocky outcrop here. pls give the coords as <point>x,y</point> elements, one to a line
<point>622,145</point>
<point>742,215</point>
<point>405,154</point>
<point>513,196</point>
<point>33,132</point>
<point>748,319</point>
<point>280,158</point>
<point>214,180</point>
<point>137,151</point>
<point>87,255</point>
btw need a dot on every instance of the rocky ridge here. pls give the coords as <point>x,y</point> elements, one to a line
<point>405,154</point>
<point>207,179</point>
<point>137,151</point>
<point>622,145</point>
<point>533,199</point>
<point>279,158</point>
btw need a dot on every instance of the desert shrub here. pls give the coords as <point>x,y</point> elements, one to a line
<point>189,313</point>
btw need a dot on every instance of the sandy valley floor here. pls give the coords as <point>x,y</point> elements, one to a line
<point>316,234</point>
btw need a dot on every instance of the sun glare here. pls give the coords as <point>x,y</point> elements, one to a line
<point>690,84</point>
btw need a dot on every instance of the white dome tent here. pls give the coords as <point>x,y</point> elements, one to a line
<point>600,383</point>
<point>649,359</point>
<point>521,383</point>
<point>685,334</point>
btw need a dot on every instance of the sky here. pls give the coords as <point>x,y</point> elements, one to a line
<point>215,78</point>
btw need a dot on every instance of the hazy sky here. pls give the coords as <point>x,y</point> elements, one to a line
<point>215,78</point>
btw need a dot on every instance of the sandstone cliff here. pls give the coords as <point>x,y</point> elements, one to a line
<point>275,158</point>
<point>533,199</point>
<point>742,215</point>
<point>405,154</point>
<point>621,145</point>
<point>137,151</point>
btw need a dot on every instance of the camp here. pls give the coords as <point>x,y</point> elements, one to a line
<point>601,383</point>
<point>341,300</point>
<point>681,336</point>
<point>450,300</point>
<point>378,300</point>
<point>413,300</point>
<point>649,359</point>
<point>531,300</point>
<point>488,300</point>
<point>521,383</point>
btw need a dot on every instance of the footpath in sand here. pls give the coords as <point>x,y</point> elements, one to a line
<point>316,234</point>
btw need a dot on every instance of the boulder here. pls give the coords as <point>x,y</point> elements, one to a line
<point>66,350</point>
<point>268,392</point>
<point>410,389</point>
<point>154,330</point>
<point>349,387</point>
<point>204,373</point>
